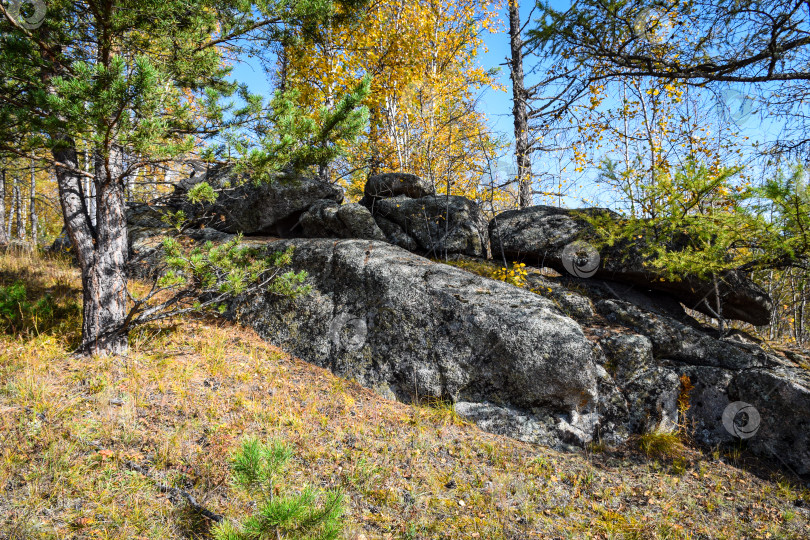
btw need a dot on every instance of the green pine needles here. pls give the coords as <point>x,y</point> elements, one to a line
<point>21,311</point>
<point>297,141</point>
<point>206,277</point>
<point>308,515</point>
<point>700,221</point>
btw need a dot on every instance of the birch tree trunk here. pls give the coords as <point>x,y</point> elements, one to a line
<point>32,213</point>
<point>375,158</point>
<point>12,210</point>
<point>3,233</point>
<point>19,213</point>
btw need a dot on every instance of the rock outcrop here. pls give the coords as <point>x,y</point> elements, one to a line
<point>438,225</point>
<point>328,219</point>
<point>383,186</point>
<point>411,216</point>
<point>539,235</point>
<point>268,208</point>
<point>414,329</point>
<point>562,362</point>
<point>734,389</point>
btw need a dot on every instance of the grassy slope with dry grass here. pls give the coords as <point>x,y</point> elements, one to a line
<point>179,404</point>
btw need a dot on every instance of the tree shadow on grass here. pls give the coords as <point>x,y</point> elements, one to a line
<point>39,294</point>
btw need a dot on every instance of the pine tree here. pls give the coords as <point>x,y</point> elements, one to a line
<point>307,515</point>
<point>702,223</point>
<point>133,79</point>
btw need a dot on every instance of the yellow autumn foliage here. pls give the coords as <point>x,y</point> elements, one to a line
<point>423,117</point>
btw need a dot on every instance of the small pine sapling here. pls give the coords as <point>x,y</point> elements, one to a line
<point>306,515</point>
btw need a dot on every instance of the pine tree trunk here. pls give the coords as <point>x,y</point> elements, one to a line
<point>3,233</point>
<point>519,108</point>
<point>101,250</point>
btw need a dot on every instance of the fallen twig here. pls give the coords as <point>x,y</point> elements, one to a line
<point>177,493</point>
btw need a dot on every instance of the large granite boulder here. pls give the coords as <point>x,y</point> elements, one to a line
<point>394,234</point>
<point>145,221</point>
<point>383,186</point>
<point>651,391</point>
<point>328,219</point>
<point>771,411</point>
<point>515,364</point>
<point>271,208</point>
<point>544,235</point>
<point>438,225</point>
<point>539,233</point>
<point>414,329</point>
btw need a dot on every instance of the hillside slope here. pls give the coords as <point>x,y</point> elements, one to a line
<point>86,444</point>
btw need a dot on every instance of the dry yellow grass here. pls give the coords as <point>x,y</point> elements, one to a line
<point>190,391</point>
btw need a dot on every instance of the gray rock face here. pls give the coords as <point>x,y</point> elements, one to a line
<point>439,225</point>
<point>781,397</point>
<point>576,306</point>
<point>739,391</point>
<point>328,219</point>
<point>767,408</point>
<point>383,186</point>
<point>272,208</point>
<point>707,401</point>
<point>652,398</point>
<point>143,223</point>
<point>515,364</point>
<point>146,216</point>
<point>627,354</point>
<point>395,235</point>
<point>651,391</point>
<point>415,329</point>
<point>678,341</point>
<point>411,216</point>
<point>515,423</point>
<point>539,235</point>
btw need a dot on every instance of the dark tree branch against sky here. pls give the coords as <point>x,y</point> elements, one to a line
<point>764,45</point>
